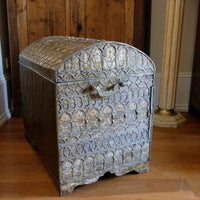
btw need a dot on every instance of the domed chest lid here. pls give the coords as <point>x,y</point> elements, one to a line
<point>63,59</point>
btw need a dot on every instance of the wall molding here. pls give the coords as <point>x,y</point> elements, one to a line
<point>4,117</point>
<point>185,75</point>
<point>183,91</point>
<point>5,78</point>
<point>5,113</point>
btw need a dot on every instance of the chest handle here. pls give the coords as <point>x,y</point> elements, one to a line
<point>108,92</point>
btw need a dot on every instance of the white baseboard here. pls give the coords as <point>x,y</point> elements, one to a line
<point>4,78</point>
<point>7,77</point>
<point>4,117</point>
<point>182,107</point>
<point>183,91</point>
<point>4,110</point>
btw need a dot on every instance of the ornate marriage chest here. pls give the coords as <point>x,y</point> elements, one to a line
<point>87,107</point>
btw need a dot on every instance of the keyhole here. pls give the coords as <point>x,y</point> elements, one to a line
<point>79,27</point>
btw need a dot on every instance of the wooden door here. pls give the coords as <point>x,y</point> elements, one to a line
<point>195,84</point>
<point>118,20</point>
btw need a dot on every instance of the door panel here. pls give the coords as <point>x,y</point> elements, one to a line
<point>116,20</point>
<point>195,84</point>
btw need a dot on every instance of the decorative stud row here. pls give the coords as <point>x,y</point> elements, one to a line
<point>104,59</point>
<point>72,150</point>
<point>107,161</point>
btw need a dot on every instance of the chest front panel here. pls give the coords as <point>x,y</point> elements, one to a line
<point>98,134</point>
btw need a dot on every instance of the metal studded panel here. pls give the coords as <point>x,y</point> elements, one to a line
<point>63,59</point>
<point>105,59</point>
<point>49,52</point>
<point>104,96</point>
<point>98,135</point>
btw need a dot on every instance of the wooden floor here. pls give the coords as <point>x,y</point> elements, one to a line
<point>174,169</point>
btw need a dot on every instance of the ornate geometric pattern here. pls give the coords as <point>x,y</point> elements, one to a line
<point>97,134</point>
<point>105,59</point>
<point>104,95</point>
<point>70,58</point>
<point>49,52</point>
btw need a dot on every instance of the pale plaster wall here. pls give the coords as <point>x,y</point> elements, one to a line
<point>188,35</point>
<point>157,31</point>
<point>187,48</point>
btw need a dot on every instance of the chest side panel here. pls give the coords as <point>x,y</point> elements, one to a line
<point>39,115</point>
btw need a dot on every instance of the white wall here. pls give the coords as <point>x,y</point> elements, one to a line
<point>187,48</point>
<point>5,74</point>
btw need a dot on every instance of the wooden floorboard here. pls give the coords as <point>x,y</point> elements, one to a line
<point>174,169</point>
